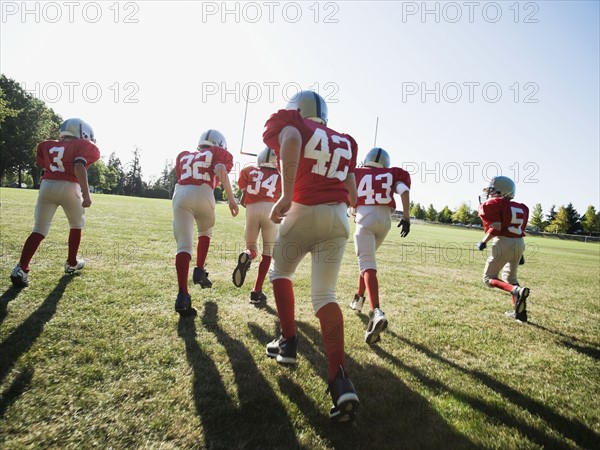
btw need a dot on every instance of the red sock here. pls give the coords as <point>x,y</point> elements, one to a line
<point>361,285</point>
<point>370,276</point>
<point>501,285</point>
<point>332,329</point>
<point>284,300</point>
<point>252,253</point>
<point>74,241</point>
<point>182,265</point>
<point>263,268</point>
<point>31,245</point>
<point>203,244</point>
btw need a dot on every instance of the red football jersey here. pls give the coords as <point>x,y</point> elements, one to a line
<point>199,167</point>
<point>262,184</point>
<point>513,216</point>
<point>326,158</point>
<point>58,157</point>
<point>376,186</point>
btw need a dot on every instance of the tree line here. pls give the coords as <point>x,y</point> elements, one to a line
<point>25,121</point>
<point>565,220</point>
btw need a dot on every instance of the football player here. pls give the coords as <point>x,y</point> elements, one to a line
<point>261,187</point>
<point>317,168</point>
<point>376,183</point>
<point>65,184</point>
<point>504,221</point>
<point>198,173</point>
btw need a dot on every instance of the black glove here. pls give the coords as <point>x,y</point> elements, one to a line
<point>405,225</point>
<point>481,246</point>
<point>522,260</point>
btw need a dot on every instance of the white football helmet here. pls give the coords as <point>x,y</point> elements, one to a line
<point>502,186</point>
<point>377,157</point>
<point>267,158</point>
<point>311,106</point>
<point>77,129</point>
<point>212,138</point>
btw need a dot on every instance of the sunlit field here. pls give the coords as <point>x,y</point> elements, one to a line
<point>101,359</point>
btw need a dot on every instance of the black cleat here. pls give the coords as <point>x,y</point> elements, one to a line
<point>345,400</point>
<point>377,324</point>
<point>239,273</point>
<point>520,294</point>
<point>19,278</point>
<point>258,298</point>
<point>183,305</point>
<point>284,350</point>
<point>200,277</point>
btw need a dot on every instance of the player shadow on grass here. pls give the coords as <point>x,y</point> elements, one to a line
<point>14,391</point>
<point>391,414</point>
<point>259,420</point>
<point>9,295</point>
<point>570,428</point>
<point>573,343</point>
<point>21,340</point>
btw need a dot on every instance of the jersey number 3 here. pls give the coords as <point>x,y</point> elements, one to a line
<point>57,164</point>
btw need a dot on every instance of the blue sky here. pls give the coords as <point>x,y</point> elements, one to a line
<point>462,91</point>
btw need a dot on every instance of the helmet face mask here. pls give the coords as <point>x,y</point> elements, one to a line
<point>377,157</point>
<point>212,138</point>
<point>311,106</point>
<point>267,158</point>
<point>76,129</point>
<point>499,187</point>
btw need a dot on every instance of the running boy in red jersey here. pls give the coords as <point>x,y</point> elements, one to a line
<point>317,168</point>
<point>198,173</point>
<point>64,184</point>
<point>376,183</point>
<point>261,187</point>
<point>504,222</point>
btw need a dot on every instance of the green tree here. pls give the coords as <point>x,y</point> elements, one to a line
<point>116,174</point>
<point>431,214</point>
<point>560,224</point>
<point>445,215</point>
<point>417,211</point>
<point>591,221</point>
<point>537,217</point>
<point>133,183</point>
<point>573,219</point>
<point>25,121</point>
<point>462,214</point>
<point>475,219</point>
<point>550,218</point>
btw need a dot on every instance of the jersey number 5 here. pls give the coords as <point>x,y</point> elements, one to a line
<point>516,223</point>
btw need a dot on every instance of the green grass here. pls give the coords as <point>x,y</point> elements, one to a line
<point>102,360</point>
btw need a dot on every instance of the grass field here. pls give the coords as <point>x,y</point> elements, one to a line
<point>102,360</point>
